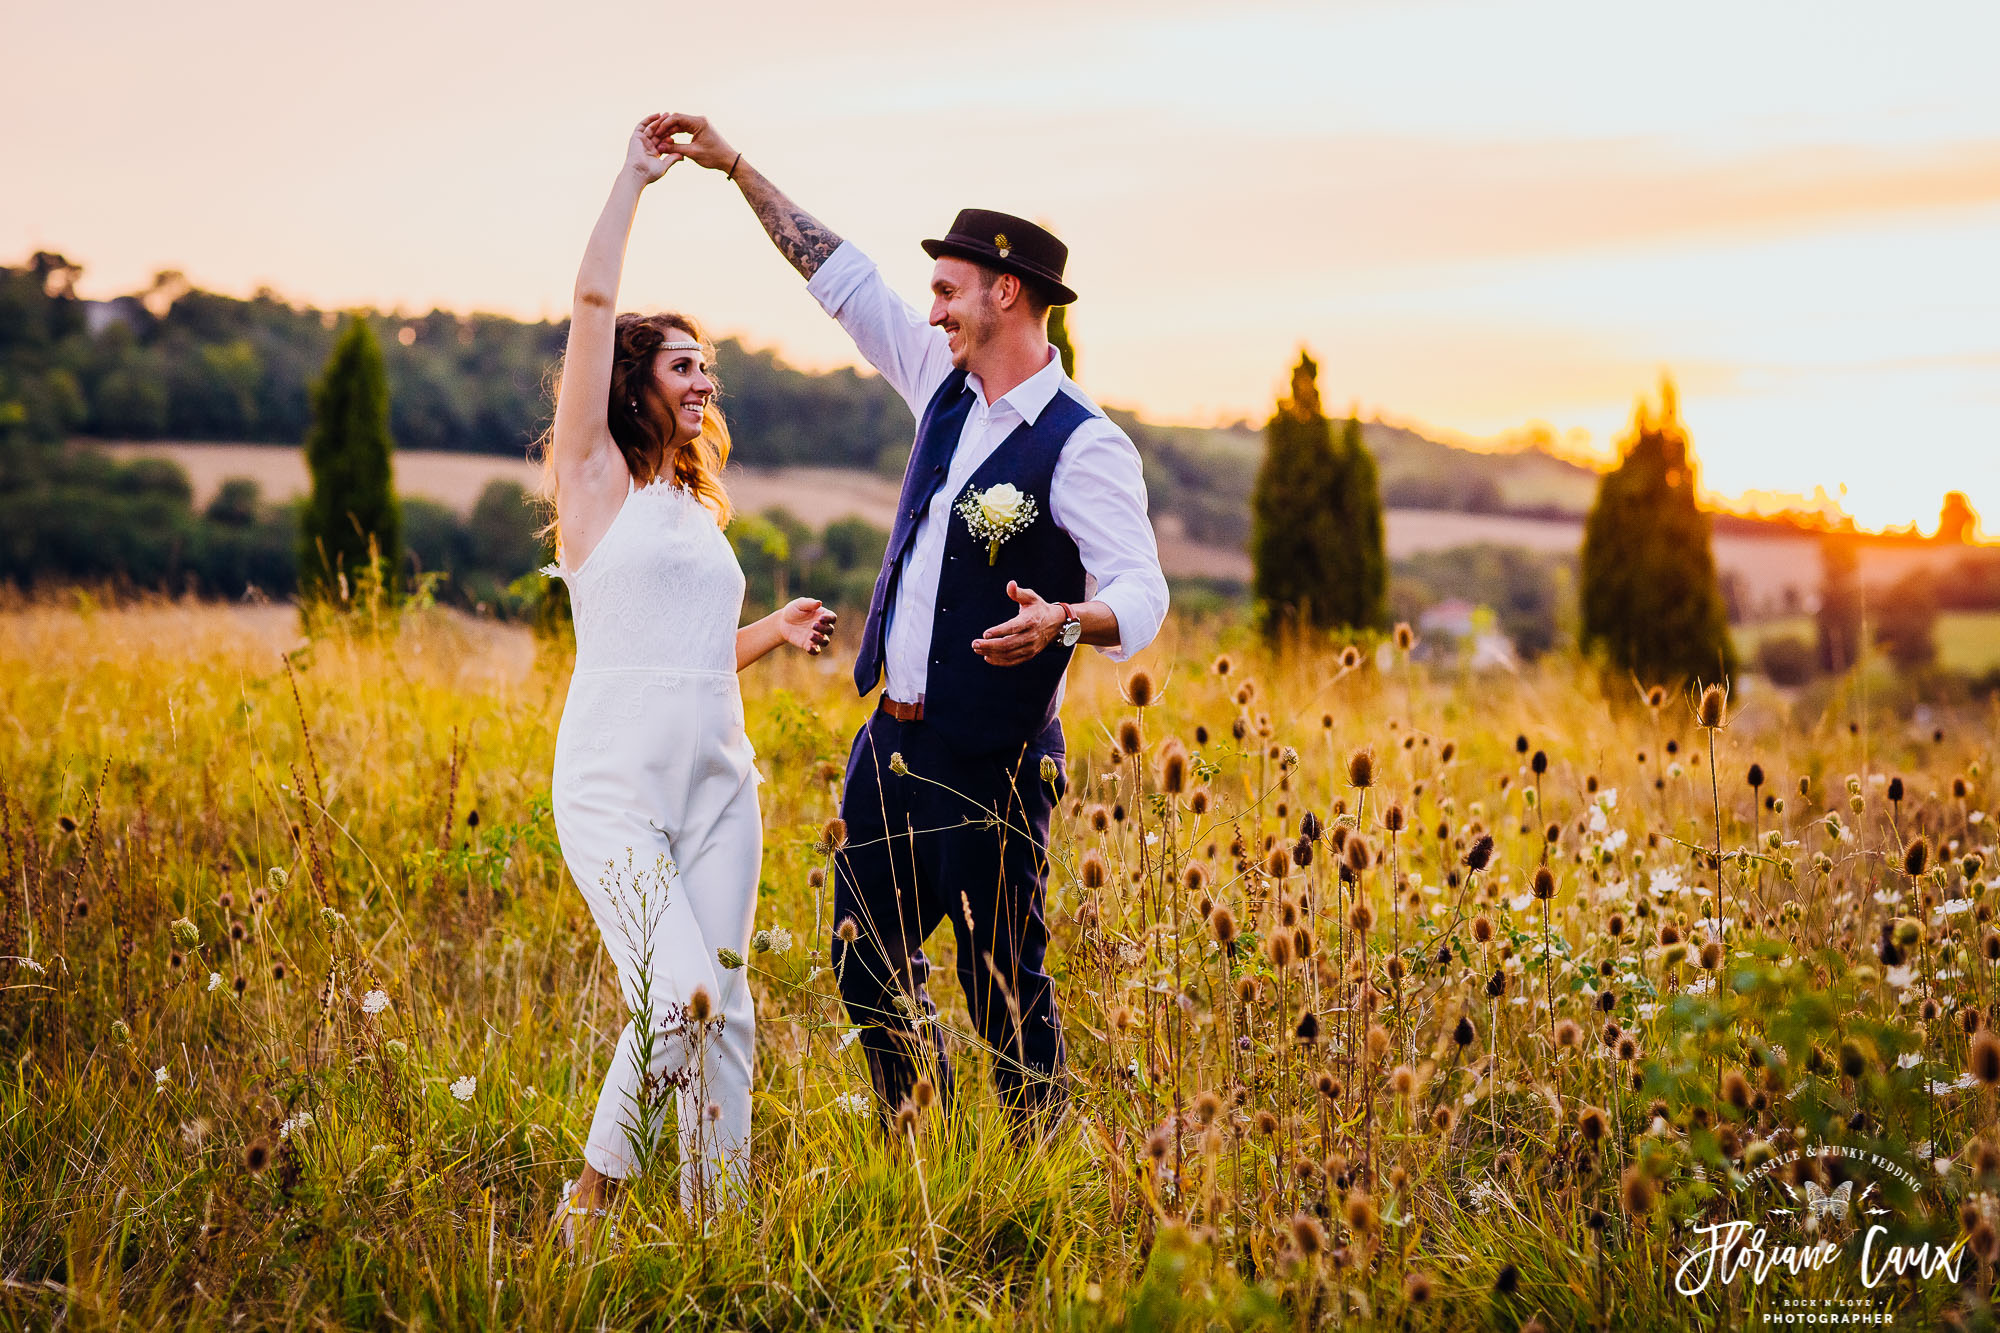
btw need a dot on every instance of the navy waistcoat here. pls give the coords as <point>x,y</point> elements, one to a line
<point>976,706</point>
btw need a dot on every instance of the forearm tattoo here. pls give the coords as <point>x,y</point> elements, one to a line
<point>799,236</point>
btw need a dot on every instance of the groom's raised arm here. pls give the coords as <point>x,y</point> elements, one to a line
<point>895,338</point>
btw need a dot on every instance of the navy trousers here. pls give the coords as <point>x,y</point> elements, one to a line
<point>960,839</point>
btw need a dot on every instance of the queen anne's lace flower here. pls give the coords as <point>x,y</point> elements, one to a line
<point>374,1002</point>
<point>463,1088</point>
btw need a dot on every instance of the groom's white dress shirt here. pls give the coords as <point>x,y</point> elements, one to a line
<point>1097,495</point>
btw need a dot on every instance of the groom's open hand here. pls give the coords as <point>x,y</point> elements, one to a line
<point>1019,639</point>
<point>704,146</point>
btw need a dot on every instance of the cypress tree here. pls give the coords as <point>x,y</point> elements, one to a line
<point>1650,599</point>
<point>352,514</point>
<point>1059,338</point>
<point>1361,598</point>
<point>1316,519</point>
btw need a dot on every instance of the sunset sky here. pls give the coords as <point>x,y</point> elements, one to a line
<point>1475,215</point>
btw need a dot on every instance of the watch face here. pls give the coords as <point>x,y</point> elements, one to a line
<point>1072,630</point>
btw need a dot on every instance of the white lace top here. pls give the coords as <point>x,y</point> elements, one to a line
<point>661,590</point>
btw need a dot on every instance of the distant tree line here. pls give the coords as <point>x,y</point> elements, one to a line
<point>75,514</point>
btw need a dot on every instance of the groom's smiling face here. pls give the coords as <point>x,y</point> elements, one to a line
<point>962,305</point>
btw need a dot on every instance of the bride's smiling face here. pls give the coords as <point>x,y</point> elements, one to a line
<point>681,378</point>
<point>962,305</point>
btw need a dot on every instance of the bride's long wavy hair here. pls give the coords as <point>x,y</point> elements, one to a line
<point>642,422</point>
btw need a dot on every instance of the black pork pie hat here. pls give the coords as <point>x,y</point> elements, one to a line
<point>1010,244</point>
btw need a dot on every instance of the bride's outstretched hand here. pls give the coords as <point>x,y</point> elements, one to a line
<point>807,623</point>
<point>651,150</point>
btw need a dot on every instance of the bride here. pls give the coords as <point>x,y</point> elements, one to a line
<point>655,782</point>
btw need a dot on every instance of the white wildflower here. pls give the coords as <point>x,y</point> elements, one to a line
<point>31,965</point>
<point>374,1002</point>
<point>1888,897</point>
<point>1702,987</point>
<point>1900,978</point>
<point>1521,902</point>
<point>1952,907</point>
<point>215,981</point>
<point>856,1103</point>
<point>1616,842</point>
<point>1664,881</point>
<point>1909,1060</point>
<point>160,1077</point>
<point>463,1088</point>
<point>294,1123</point>
<point>848,1038</point>
<point>1597,823</point>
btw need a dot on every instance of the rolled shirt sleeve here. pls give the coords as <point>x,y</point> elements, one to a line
<point>1098,496</point>
<point>892,334</point>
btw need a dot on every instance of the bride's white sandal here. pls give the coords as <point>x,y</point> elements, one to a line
<point>567,1213</point>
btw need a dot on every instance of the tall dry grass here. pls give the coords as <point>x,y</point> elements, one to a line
<point>1383,1009</point>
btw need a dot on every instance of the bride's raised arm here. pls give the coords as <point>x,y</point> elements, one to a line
<point>590,474</point>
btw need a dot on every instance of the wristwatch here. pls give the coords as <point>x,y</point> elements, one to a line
<point>1072,628</point>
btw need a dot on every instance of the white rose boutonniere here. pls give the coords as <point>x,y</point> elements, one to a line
<point>996,514</point>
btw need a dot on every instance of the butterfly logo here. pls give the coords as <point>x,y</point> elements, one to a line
<point>1820,1205</point>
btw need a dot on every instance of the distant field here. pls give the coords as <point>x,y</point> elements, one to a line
<point>1771,569</point>
<point>1967,640</point>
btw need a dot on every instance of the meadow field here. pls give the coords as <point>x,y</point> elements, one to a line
<point>1395,998</point>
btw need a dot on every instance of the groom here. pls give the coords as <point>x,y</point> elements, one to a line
<point>974,616</point>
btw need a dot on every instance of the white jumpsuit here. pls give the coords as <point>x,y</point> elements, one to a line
<point>655,803</point>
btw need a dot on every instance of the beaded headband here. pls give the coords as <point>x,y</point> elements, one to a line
<point>681,345</point>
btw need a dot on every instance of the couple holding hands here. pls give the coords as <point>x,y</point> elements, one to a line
<point>1019,495</point>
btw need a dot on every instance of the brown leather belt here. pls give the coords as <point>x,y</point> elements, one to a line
<point>902,712</point>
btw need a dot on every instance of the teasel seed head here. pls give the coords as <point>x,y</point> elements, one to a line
<point>1361,768</point>
<point>1712,710</point>
<point>1983,1058</point>
<point>1139,688</point>
<point>1635,1191</point>
<point>1591,1120</point>
<point>1481,853</point>
<point>1916,856</point>
<point>1128,736</point>
<point>1544,883</point>
<point>1092,870</point>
